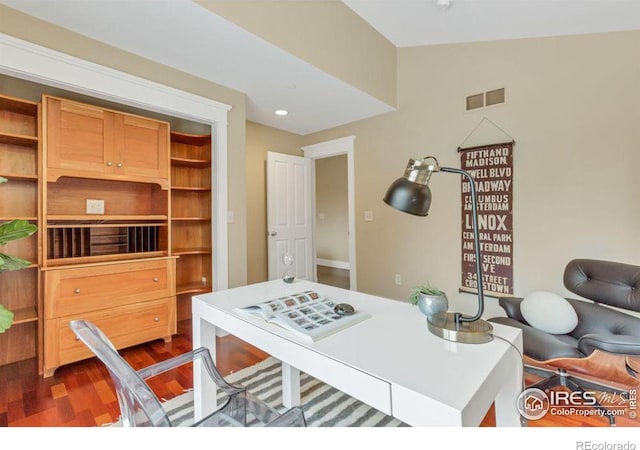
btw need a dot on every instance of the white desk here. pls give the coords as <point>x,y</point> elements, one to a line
<point>390,361</point>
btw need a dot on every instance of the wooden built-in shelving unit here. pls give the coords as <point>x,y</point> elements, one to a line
<point>20,291</point>
<point>111,265</point>
<point>191,216</point>
<point>132,265</point>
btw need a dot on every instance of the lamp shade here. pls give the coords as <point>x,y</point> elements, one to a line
<point>411,193</point>
<point>409,197</point>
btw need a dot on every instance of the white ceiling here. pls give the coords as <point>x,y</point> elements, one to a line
<point>409,23</point>
<point>183,35</point>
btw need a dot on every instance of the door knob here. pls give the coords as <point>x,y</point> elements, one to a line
<point>273,233</point>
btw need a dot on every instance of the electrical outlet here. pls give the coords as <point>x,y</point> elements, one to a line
<point>95,206</point>
<point>321,216</point>
<point>204,281</point>
<point>398,279</point>
<point>368,216</point>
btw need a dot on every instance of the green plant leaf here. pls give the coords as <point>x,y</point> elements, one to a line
<point>8,262</point>
<point>16,229</point>
<point>6,319</point>
<point>424,288</point>
<point>3,180</point>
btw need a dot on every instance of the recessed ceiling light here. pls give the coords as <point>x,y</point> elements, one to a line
<point>281,112</point>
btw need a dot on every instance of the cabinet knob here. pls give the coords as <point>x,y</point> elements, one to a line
<point>77,338</point>
<point>156,279</point>
<point>109,163</point>
<point>77,291</point>
<point>156,319</point>
<point>119,164</point>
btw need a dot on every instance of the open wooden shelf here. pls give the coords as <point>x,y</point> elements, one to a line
<point>69,262</point>
<point>191,251</point>
<point>191,216</point>
<point>187,162</point>
<point>103,217</point>
<point>25,315</point>
<point>27,218</point>
<point>19,140</point>
<point>190,219</point>
<point>20,290</point>
<point>192,288</point>
<point>191,188</point>
<point>19,177</point>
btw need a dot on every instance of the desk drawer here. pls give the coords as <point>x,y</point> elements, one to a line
<point>91,288</point>
<point>124,326</point>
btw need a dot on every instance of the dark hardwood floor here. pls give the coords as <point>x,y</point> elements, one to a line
<point>81,394</point>
<point>334,277</point>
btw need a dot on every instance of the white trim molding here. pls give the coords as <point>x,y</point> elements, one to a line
<point>21,59</point>
<point>335,147</point>
<point>327,149</point>
<point>334,264</point>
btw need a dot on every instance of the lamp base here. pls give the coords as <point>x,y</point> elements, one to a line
<point>445,326</point>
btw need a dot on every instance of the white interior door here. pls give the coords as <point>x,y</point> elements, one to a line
<point>289,214</point>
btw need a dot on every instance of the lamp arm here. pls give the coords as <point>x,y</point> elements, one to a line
<point>476,245</point>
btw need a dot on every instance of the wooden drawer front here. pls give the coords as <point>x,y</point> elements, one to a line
<point>85,289</point>
<point>124,326</point>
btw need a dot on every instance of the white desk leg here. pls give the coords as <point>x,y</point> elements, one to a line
<point>290,386</point>
<point>204,389</point>
<point>507,414</point>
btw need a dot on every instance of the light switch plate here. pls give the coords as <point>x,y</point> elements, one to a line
<point>95,206</point>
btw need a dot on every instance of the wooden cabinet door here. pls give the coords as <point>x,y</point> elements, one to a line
<point>142,146</point>
<point>79,139</point>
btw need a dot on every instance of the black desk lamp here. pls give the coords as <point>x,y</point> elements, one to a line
<point>412,195</point>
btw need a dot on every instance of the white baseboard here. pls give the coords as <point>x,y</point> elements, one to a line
<point>333,263</point>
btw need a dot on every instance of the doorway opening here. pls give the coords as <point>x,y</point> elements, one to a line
<point>333,206</point>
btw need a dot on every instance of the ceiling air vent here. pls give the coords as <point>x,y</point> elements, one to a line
<point>494,97</point>
<point>488,98</point>
<point>475,101</point>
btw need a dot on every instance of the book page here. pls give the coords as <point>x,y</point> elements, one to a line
<point>307,314</point>
<point>268,309</point>
<point>315,318</point>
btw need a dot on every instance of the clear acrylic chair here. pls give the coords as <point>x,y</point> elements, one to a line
<point>140,407</point>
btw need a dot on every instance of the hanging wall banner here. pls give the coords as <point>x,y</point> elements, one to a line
<point>491,167</point>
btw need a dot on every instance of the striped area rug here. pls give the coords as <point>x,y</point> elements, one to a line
<point>323,405</point>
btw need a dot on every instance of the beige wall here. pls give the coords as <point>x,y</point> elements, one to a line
<point>332,231</point>
<point>25,27</point>
<point>260,140</point>
<point>572,108</point>
<point>327,34</point>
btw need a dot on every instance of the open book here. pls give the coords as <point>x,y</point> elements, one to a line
<point>307,315</point>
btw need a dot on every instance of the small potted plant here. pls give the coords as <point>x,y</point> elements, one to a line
<point>430,300</point>
<point>10,231</point>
